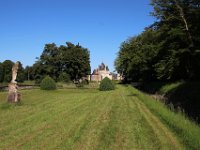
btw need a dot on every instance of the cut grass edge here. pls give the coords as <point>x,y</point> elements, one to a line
<point>188,132</point>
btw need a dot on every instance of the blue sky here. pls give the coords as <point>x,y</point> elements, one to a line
<point>99,25</point>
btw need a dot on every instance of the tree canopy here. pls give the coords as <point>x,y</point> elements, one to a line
<point>70,59</point>
<point>169,49</point>
<point>6,71</point>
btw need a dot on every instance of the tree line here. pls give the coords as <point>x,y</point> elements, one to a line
<point>62,63</point>
<point>6,71</point>
<point>167,50</point>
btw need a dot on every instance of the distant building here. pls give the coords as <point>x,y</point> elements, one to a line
<point>101,72</point>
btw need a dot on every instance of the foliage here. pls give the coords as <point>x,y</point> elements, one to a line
<point>85,82</point>
<point>137,56</point>
<point>82,83</point>
<point>64,77</point>
<point>166,50</point>
<point>106,85</point>
<point>6,72</point>
<point>28,73</point>
<point>1,72</point>
<point>20,73</point>
<point>48,84</point>
<point>74,60</point>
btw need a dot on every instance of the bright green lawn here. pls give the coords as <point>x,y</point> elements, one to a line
<point>85,119</point>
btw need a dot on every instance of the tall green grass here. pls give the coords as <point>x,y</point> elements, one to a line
<point>170,87</point>
<point>187,131</point>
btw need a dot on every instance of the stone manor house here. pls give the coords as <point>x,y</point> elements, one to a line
<point>101,72</point>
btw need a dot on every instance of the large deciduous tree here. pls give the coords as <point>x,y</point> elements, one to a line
<point>75,60</point>
<point>169,49</point>
<point>70,59</point>
<point>137,56</point>
<point>177,26</point>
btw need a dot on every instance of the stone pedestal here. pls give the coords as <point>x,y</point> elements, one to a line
<point>13,94</point>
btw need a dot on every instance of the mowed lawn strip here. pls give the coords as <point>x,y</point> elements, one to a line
<point>82,119</point>
<point>42,100</point>
<point>186,131</point>
<point>56,102</point>
<point>64,126</point>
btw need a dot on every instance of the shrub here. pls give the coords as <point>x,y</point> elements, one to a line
<point>106,85</point>
<point>48,84</point>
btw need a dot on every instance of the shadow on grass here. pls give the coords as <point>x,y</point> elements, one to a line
<point>184,96</point>
<point>187,97</point>
<point>151,87</point>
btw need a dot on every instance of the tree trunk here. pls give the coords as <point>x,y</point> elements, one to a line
<point>182,15</point>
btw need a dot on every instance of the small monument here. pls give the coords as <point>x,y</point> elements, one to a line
<point>13,94</point>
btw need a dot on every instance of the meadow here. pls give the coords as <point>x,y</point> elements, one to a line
<point>90,119</point>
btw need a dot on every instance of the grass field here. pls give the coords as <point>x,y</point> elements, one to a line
<point>89,119</point>
<point>180,95</point>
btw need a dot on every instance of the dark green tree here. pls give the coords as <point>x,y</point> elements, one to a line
<point>71,59</point>
<point>179,38</point>
<point>137,56</point>
<point>20,74</point>
<point>75,60</point>
<point>169,49</point>
<point>1,72</point>
<point>64,77</point>
<point>7,70</point>
<point>49,61</point>
<point>38,71</point>
<point>28,73</point>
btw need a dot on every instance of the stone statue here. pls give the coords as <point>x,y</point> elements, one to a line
<point>13,94</point>
<point>14,72</point>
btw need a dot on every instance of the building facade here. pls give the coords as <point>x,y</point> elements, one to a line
<point>100,73</point>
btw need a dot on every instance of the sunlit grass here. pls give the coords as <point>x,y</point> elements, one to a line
<point>169,87</point>
<point>187,131</point>
<point>89,119</point>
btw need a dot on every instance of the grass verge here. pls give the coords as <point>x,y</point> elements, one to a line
<point>187,132</point>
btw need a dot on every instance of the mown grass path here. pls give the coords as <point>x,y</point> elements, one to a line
<point>82,119</point>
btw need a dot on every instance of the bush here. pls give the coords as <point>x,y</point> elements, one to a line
<point>106,85</point>
<point>48,84</point>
